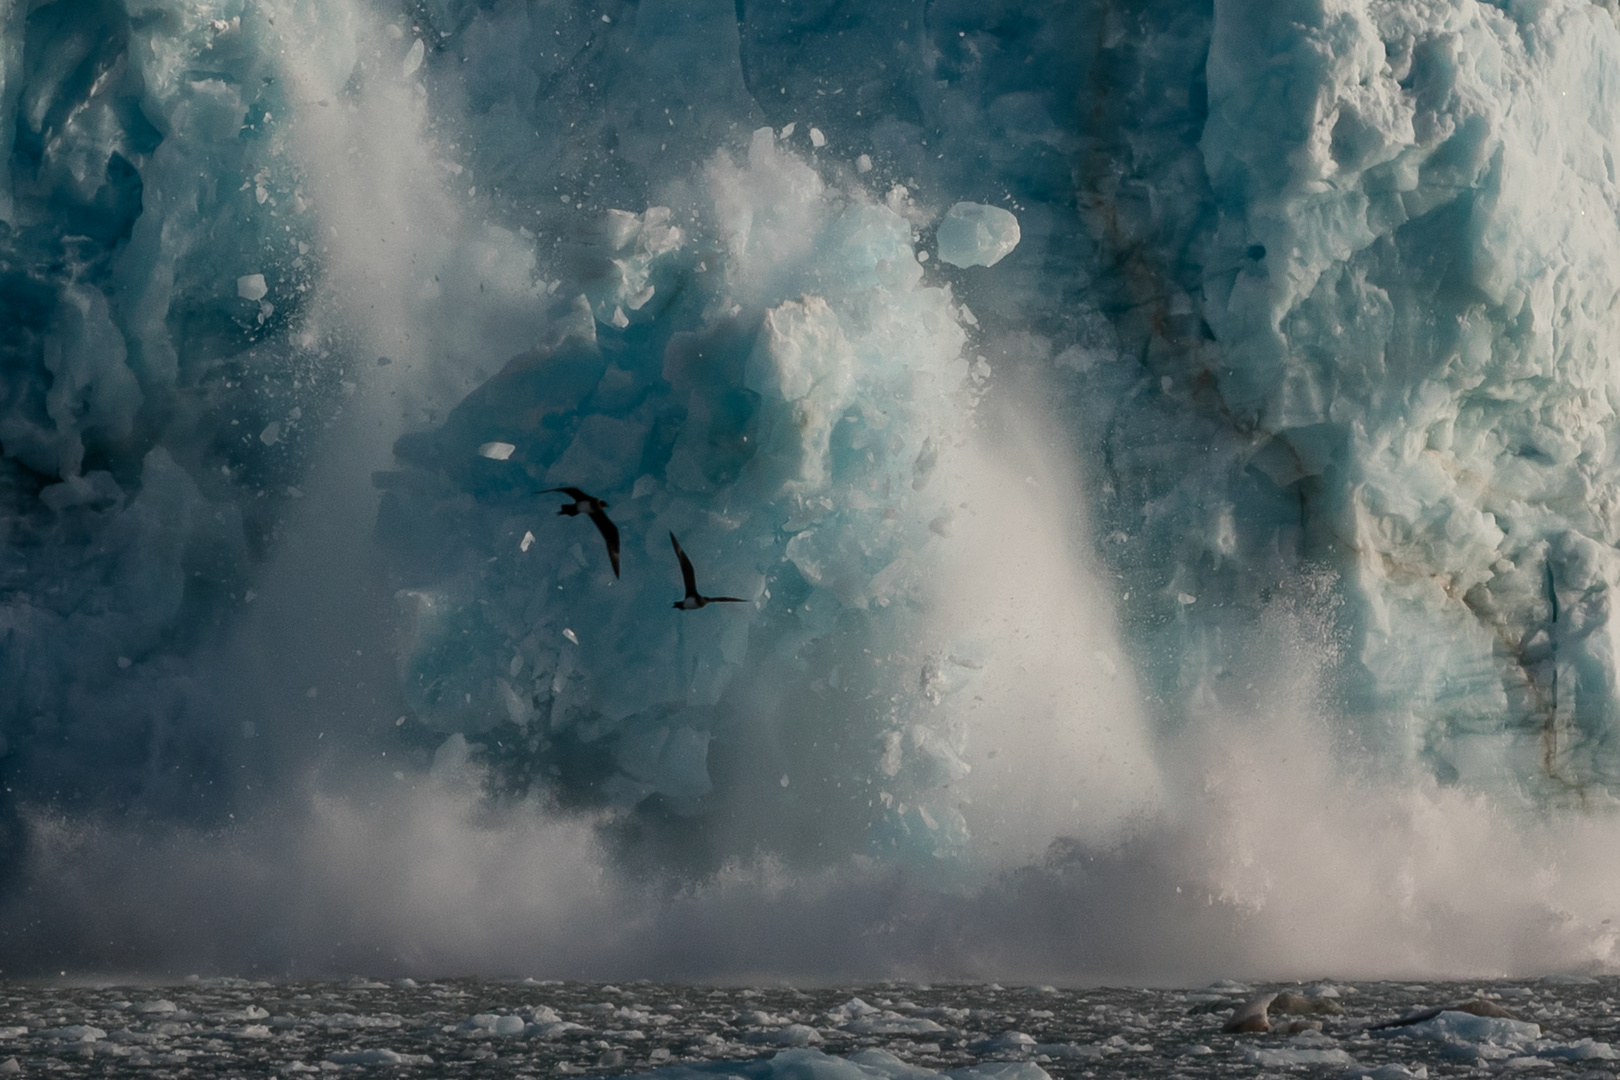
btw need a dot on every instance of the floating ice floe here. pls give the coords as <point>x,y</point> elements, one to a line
<point>494,1024</point>
<point>1392,1071</point>
<point>80,1033</point>
<point>377,1057</point>
<point>1299,1051</point>
<point>1465,1036</point>
<point>786,1035</point>
<point>862,1065</point>
<point>1454,1026</point>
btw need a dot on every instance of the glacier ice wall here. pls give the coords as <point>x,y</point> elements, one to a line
<point>1285,386</point>
<point>1391,321</point>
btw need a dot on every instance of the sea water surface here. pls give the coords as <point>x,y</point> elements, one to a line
<point>1561,1027</point>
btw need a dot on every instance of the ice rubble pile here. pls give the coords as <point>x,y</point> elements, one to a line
<point>766,375</point>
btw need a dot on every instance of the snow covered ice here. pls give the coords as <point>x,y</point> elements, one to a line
<point>1165,458</point>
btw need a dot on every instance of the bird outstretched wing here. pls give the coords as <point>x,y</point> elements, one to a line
<point>610,534</point>
<point>687,574</point>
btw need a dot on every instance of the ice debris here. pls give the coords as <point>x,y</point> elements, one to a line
<point>496,451</point>
<point>973,234</point>
<point>377,1056</point>
<point>769,413</point>
<point>861,1065</point>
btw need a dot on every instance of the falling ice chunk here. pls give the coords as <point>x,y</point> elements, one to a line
<point>527,542</point>
<point>973,234</point>
<point>817,139</point>
<point>413,59</point>
<point>496,451</point>
<point>271,433</point>
<point>621,227</point>
<point>619,319</point>
<point>863,164</point>
<point>570,635</point>
<point>787,132</point>
<point>251,287</point>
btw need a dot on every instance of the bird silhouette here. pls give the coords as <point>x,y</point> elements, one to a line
<point>694,599</point>
<point>596,510</point>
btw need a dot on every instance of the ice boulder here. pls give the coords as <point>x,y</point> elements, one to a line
<point>1456,1028</point>
<point>973,234</point>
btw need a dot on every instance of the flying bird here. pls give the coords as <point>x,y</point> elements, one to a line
<point>596,510</point>
<point>694,599</point>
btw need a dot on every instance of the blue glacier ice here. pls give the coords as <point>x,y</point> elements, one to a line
<point>1160,450</point>
<point>766,375</point>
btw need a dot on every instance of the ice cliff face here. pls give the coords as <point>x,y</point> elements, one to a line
<point>1404,280</point>
<point>1320,292</point>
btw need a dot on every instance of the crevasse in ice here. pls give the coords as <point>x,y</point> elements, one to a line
<point>1322,292</point>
